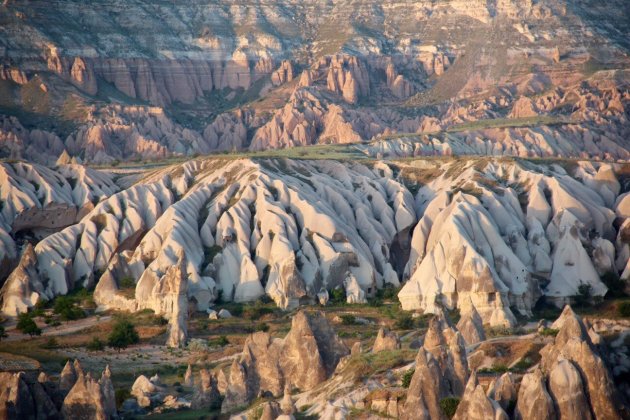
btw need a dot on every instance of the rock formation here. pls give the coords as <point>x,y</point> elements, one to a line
<point>470,325</point>
<point>476,405</point>
<point>85,400</point>
<point>307,356</point>
<point>385,340</point>
<point>206,395</point>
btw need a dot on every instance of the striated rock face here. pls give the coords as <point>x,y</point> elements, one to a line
<point>85,400</point>
<point>503,390</point>
<point>470,326</point>
<point>426,389</point>
<point>579,380</point>
<point>22,290</point>
<point>476,405</point>
<point>386,340</point>
<point>206,395</point>
<point>307,356</point>
<point>68,377</point>
<point>441,371</point>
<point>534,401</point>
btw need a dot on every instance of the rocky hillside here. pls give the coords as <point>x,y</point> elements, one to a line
<point>146,80</point>
<point>492,236</point>
<point>310,372</point>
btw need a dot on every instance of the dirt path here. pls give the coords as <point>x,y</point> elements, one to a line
<point>66,328</point>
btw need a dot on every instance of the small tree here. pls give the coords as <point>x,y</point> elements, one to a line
<point>406,378</point>
<point>66,308</point>
<point>27,325</point>
<point>123,335</point>
<point>3,334</point>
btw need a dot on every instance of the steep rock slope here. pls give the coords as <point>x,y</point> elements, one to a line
<point>485,236</point>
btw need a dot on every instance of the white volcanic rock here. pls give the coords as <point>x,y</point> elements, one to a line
<point>534,401</point>
<point>469,260</point>
<point>503,390</point>
<point>470,326</point>
<point>23,288</point>
<point>572,266</point>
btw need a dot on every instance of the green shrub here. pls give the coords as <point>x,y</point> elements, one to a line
<point>27,325</point>
<point>404,321</point>
<point>337,296</point>
<point>615,285</point>
<point>348,319</point>
<point>256,310</point>
<point>95,345</point>
<point>522,365</point>
<point>449,406</point>
<point>121,395</point>
<point>67,309</point>
<point>585,293</point>
<point>51,343</point>
<point>3,333</point>
<point>219,341</point>
<point>623,309</point>
<point>406,378</point>
<point>127,283</point>
<point>549,332</point>
<point>500,368</point>
<point>123,335</point>
<point>262,327</point>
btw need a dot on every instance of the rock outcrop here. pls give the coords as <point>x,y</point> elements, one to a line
<point>206,395</point>
<point>307,356</point>
<point>476,405</point>
<point>385,340</point>
<point>470,326</point>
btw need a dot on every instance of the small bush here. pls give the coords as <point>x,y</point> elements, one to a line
<point>406,378</point>
<point>614,283</point>
<point>127,283</point>
<point>95,345</point>
<point>337,295</point>
<point>348,319</point>
<point>500,368</point>
<point>160,320</point>
<point>585,293</point>
<point>121,395</point>
<point>623,309</point>
<point>51,343</point>
<point>404,321</point>
<point>256,310</point>
<point>449,406</point>
<point>262,327</point>
<point>67,309</point>
<point>3,334</point>
<point>522,365</point>
<point>219,341</point>
<point>549,332</point>
<point>123,335</point>
<point>27,325</point>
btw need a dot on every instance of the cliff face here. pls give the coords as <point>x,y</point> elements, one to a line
<point>148,80</point>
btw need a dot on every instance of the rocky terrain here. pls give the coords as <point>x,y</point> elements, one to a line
<point>546,78</point>
<point>307,209</point>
